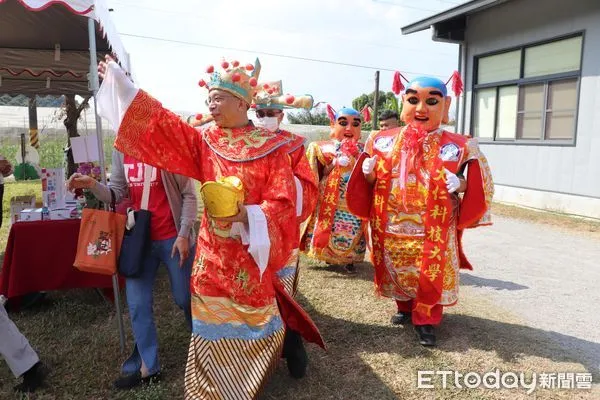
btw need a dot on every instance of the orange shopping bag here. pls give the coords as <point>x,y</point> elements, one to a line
<point>99,244</point>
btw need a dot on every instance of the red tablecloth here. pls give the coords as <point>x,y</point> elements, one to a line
<point>39,256</point>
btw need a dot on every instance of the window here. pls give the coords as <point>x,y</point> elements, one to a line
<point>531,111</point>
<point>486,107</point>
<point>507,116</point>
<point>500,67</point>
<point>553,58</point>
<point>560,111</point>
<point>529,94</point>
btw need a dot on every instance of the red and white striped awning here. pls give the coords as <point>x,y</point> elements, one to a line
<point>30,31</point>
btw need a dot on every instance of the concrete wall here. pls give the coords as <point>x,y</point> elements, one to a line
<point>559,171</point>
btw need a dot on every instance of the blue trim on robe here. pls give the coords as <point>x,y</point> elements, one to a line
<point>289,270</point>
<point>236,331</point>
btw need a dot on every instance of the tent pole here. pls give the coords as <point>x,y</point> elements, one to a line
<point>117,300</point>
<point>94,85</point>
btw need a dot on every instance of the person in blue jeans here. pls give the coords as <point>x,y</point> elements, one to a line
<point>173,206</point>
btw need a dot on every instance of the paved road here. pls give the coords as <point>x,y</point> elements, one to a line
<point>549,277</point>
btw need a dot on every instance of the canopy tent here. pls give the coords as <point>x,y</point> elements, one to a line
<point>31,30</point>
<point>51,47</point>
<point>21,100</point>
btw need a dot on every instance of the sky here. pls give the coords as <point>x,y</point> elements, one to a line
<point>360,32</point>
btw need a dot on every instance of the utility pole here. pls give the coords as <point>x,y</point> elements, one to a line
<point>376,101</point>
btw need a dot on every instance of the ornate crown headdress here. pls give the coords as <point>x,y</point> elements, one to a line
<point>271,95</point>
<point>232,77</point>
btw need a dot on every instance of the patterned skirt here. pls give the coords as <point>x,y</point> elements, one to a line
<point>402,260</point>
<point>289,275</point>
<point>347,243</point>
<point>233,351</point>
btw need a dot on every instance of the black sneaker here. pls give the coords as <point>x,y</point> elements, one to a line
<point>426,335</point>
<point>350,268</point>
<point>295,354</point>
<point>125,382</point>
<point>33,378</point>
<point>401,318</point>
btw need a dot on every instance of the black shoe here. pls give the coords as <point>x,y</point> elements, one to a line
<point>295,354</point>
<point>350,268</point>
<point>401,318</point>
<point>426,335</point>
<point>33,378</point>
<point>130,381</point>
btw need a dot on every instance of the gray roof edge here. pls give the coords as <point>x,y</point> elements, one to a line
<point>466,8</point>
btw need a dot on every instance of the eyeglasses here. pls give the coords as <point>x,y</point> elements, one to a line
<point>267,113</point>
<point>217,99</point>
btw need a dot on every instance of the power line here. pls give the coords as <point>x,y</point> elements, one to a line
<point>415,8</point>
<point>451,2</point>
<point>267,53</point>
<point>263,26</point>
<point>404,6</point>
<point>209,18</point>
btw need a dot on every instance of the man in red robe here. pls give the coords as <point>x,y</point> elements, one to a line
<point>411,187</point>
<point>239,307</point>
<point>270,103</point>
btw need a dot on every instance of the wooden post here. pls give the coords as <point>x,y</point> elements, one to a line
<point>33,123</point>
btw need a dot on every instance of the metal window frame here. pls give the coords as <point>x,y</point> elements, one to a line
<point>545,79</point>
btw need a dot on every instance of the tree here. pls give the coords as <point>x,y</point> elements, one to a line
<point>364,99</point>
<point>367,126</point>
<point>393,104</point>
<point>386,101</point>
<point>72,112</point>
<point>306,117</point>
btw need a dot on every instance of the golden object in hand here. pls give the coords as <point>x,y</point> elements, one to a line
<point>221,198</point>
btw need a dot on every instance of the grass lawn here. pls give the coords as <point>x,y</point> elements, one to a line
<point>367,358</point>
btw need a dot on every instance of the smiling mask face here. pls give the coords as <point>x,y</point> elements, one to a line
<point>425,104</point>
<point>347,126</point>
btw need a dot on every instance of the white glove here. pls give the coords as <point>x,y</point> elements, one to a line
<point>369,165</point>
<point>342,161</point>
<point>452,181</point>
